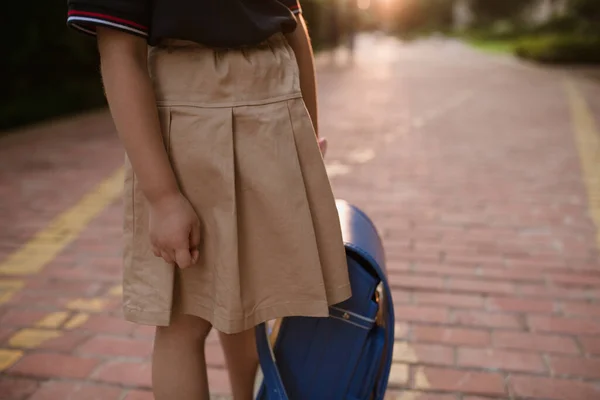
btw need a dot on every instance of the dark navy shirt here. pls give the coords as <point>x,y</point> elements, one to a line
<point>214,23</point>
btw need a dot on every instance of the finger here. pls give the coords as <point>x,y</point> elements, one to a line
<point>183,258</point>
<point>167,256</point>
<point>195,255</point>
<point>156,251</point>
<point>323,145</point>
<point>195,241</point>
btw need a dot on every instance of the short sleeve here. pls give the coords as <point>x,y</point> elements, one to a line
<point>132,16</point>
<point>293,5</point>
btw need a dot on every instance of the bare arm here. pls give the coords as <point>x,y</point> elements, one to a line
<point>133,107</point>
<point>299,40</point>
<point>174,226</point>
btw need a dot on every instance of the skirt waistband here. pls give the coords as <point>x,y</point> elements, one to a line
<point>185,73</point>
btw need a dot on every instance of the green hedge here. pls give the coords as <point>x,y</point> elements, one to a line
<point>563,49</point>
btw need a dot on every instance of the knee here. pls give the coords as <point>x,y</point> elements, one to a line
<point>186,327</point>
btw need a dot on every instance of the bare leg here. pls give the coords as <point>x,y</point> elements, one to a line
<point>178,363</point>
<point>242,362</point>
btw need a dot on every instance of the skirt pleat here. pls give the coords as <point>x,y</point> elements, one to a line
<point>245,155</point>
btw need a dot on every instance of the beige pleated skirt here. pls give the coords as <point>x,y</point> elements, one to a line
<point>244,151</point>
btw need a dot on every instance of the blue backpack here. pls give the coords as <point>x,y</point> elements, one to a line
<point>348,355</point>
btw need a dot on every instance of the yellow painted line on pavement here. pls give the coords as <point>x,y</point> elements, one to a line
<point>31,338</point>
<point>587,137</point>
<point>53,320</point>
<point>77,321</point>
<point>65,228</point>
<point>116,291</point>
<point>8,287</point>
<point>90,305</point>
<point>9,357</point>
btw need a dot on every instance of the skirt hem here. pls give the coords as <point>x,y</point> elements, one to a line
<point>236,325</point>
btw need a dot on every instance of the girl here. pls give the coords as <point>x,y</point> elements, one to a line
<point>229,215</point>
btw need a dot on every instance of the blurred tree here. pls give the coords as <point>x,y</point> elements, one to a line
<point>412,17</point>
<point>489,11</point>
<point>587,12</point>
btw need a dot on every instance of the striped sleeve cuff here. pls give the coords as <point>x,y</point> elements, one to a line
<point>293,5</point>
<point>87,21</point>
<point>296,9</point>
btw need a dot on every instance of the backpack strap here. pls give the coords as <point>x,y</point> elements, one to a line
<point>361,241</point>
<point>388,304</point>
<point>275,390</point>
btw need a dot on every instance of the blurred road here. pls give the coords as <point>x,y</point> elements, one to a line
<point>480,172</point>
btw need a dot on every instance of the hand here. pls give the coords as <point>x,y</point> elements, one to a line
<point>175,231</point>
<point>323,145</point>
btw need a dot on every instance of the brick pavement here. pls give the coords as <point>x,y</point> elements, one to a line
<point>478,171</point>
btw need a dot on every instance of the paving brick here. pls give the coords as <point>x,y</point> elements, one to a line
<point>480,286</point>
<point>449,299</point>
<point>581,309</point>
<point>21,318</point>
<point>413,395</point>
<point>546,263</point>
<point>512,274</point>
<point>395,266</point>
<point>446,270</point>
<point>574,279</point>
<point>32,338</point>
<point>137,374</point>
<point>14,388</point>
<point>591,345</point>
<point>523,305</point>
<point>54,365</point>
<point>139,395</point>
<point>534,342</point>
<point>401,296</point>
<point>144,331</point>
<point>214,355</point>
<point>414,281</point>
<point>453,380</point>
<point>494,359</point>
<point>8,357</point>
<point>5,333</point>
<point>219,381</point>
<point>483,398</point>
<point>469,259</point>
<point>528,290</point>
<point>416,353</point>
<point>110,325</point>
<point>401,330</point>
<point>451,336</point>
<point>55,390</point>
<point>421,313</point>
<point>418,257</point>
<point>67,342</point>
<point>108,346</point>
<point>575,366</point>
<point>575,326</point>
<point>555,389</point>
<point>399,375</point>
<point>485,320</point>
